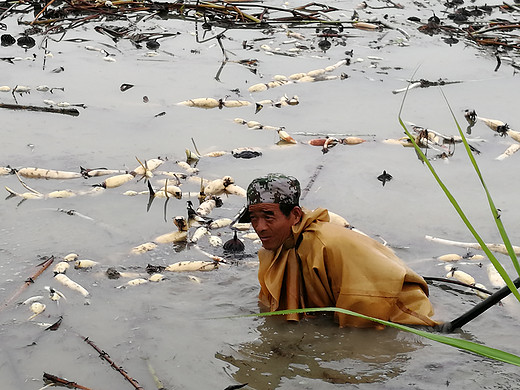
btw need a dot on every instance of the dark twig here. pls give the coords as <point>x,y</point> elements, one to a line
<point>452,281</point>
<point>105,356</point>
<point>65,111</point>
<point>226,58</point>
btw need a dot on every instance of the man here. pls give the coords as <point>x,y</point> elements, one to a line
<point>306,261</point>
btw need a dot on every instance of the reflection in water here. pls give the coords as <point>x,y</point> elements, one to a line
<point>317,349</point>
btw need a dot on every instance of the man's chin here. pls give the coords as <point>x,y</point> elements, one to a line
<point>267,244</point>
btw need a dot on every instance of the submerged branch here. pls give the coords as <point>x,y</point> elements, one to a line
<point>65,111</point>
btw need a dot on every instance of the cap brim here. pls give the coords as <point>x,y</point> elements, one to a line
<point>243,215</point>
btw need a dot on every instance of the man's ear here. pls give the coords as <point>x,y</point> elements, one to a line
<point>297,212</point>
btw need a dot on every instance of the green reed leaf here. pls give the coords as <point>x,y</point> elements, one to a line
<point>461,213</point>
<point>494,211</point>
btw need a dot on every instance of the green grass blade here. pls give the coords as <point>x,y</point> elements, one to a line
<point>494,211</point>
<point>459,210</point>
<point>466,345</point>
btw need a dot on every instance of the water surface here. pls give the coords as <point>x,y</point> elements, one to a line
<point>178,324</point>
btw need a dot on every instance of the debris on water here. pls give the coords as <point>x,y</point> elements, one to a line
<point>352,140</point>
<point>450,40</point>
<point>37,308</point>
<point>423,83</point>
<point>329,143</point>
<point>181,235</point>
<point>285,137</point>
<point>324,44</point>
<point>152,44</point>
<point>61,267</point>
<point>43,173</point>
<point>198,234</point>
<point>199,265</point>
<point>218,186</point>
<point>220,223</point>
<point>191,157</point>
<point>384,177</point>
<point>154,269</point>
<point>450,257</point>
<point>283,101</point>
<point>215,241</point>
<point>71,257</point>
<point>310,76</point>
<point>494,277</point>
<point>471,117</point>
<point>194,218</point>
<point>461,276</point>
<point>156,277</point>
<point>21,89</point>
<point>56,325</point>
<point>133,282</point>
<point>54,294</point>
<point>321,141</point>
<point>496,125</point>
<point>479,292</point>
<point>245,153</point>
<point>235,387</point>
<point>512,149</point>
<point>113,273</point>
<point>208,103</point>
<point>125,87</point>
<point>66,281</point>
<point>26,42</point>
<point>7,40</point>
<point>85,264</point>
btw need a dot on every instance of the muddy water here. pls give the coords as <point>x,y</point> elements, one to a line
<point>182,327</point>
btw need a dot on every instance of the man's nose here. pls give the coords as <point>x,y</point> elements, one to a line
<point>260,225</point>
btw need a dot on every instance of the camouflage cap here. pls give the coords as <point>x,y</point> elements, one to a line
<point>274,188</point>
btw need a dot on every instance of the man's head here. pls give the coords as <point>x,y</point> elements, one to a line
<point>273,207</point>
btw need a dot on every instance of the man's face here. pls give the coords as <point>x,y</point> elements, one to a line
<point>271,225</point>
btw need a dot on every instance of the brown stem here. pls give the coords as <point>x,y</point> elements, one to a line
<point>492,41</point>
<point>64,382</point>
<point>42,11</point>
<point>44,265</point>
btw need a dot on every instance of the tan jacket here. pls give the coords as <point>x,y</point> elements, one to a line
<point>341,268</point>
